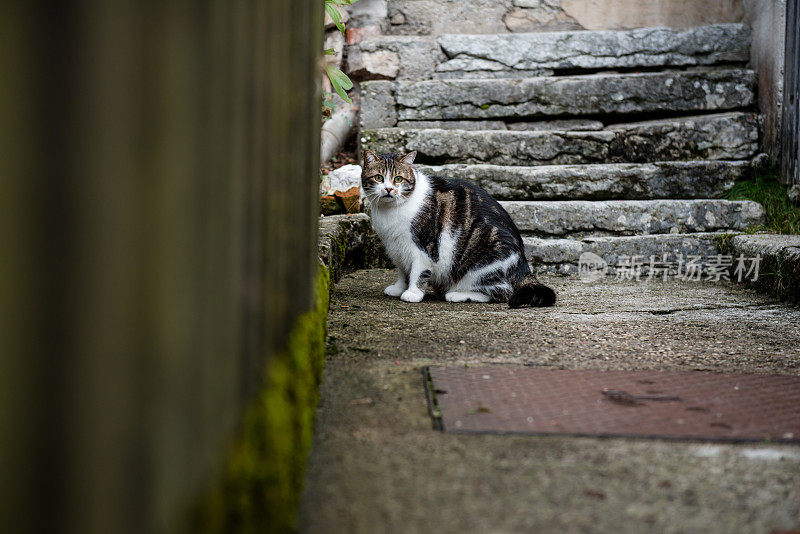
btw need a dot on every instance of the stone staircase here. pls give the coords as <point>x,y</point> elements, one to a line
<point>619,143</point>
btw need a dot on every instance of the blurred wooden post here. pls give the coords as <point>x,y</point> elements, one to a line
<point>158,200</point>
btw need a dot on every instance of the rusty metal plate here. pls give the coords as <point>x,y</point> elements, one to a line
<point>646,404</point>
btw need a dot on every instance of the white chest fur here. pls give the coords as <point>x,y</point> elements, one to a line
<point>392,222</point>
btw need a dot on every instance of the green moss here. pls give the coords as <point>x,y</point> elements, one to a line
<point>338,255</point>
<point>777,276</point>
<point>354,246</point>
<point>723,240</point>
<point>260,488</point>
<point>781,216</point>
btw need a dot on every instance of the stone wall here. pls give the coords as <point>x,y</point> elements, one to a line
<point>620,14</point>
<point>500,16</point>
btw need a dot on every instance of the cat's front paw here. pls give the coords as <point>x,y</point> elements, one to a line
<point>412,295</point>
<point>394,290</point>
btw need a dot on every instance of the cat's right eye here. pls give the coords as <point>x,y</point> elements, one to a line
<point>377,178</point>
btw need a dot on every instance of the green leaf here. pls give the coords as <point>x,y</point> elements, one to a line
<point>340,82</point>
<point>335,15</point>
<point>329,52</point>
<point>340,77</point>
<point>333,11</point>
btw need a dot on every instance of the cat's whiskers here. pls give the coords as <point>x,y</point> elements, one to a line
<point>372,196</point>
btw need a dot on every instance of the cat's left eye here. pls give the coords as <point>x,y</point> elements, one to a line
<point>377,178</point>
<point>398,179</point>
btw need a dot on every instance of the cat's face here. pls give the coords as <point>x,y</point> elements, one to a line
<point>387,178</point>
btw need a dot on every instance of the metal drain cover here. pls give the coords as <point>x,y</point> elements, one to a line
<point>652,404</point>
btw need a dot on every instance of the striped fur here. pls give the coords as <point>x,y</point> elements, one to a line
<point>449,234</point>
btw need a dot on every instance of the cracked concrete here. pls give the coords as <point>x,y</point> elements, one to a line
<point>377,464</point>
<point>735,337</point>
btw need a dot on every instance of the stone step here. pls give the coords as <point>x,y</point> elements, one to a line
<point>383,103</point>
<point>564,125</point>
<point>664,250</point>
<point>526,54</point>
<point>631,181</point>
<point>582,218</point>
<point>779,257</point>
<point>718,136</point>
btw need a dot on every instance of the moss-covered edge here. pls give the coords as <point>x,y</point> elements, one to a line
<point>352,245</point>
<point>259,489</point>
<point>724,242</point>
<point>766,187</point>
<point>338,244</point>
<point>778,276</point>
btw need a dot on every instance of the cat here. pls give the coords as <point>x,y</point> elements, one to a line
<point>449,234</point>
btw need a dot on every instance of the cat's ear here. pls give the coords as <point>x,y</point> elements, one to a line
<point>408,159</point>
<point>370,156</point>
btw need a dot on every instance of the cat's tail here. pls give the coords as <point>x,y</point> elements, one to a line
<point>531,292</point>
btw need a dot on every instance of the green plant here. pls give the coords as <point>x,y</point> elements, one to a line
<point>339,80</point>
<point>780,216</point>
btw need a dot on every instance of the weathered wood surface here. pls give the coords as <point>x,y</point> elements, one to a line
<point>158,209</point>
<point>790,123</point>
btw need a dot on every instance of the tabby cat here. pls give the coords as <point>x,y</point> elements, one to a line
<point>449,234</point>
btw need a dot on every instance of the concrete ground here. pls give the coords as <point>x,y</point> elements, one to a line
<point>377,465</point>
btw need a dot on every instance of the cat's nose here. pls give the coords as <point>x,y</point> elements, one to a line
<point>389,189</point>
